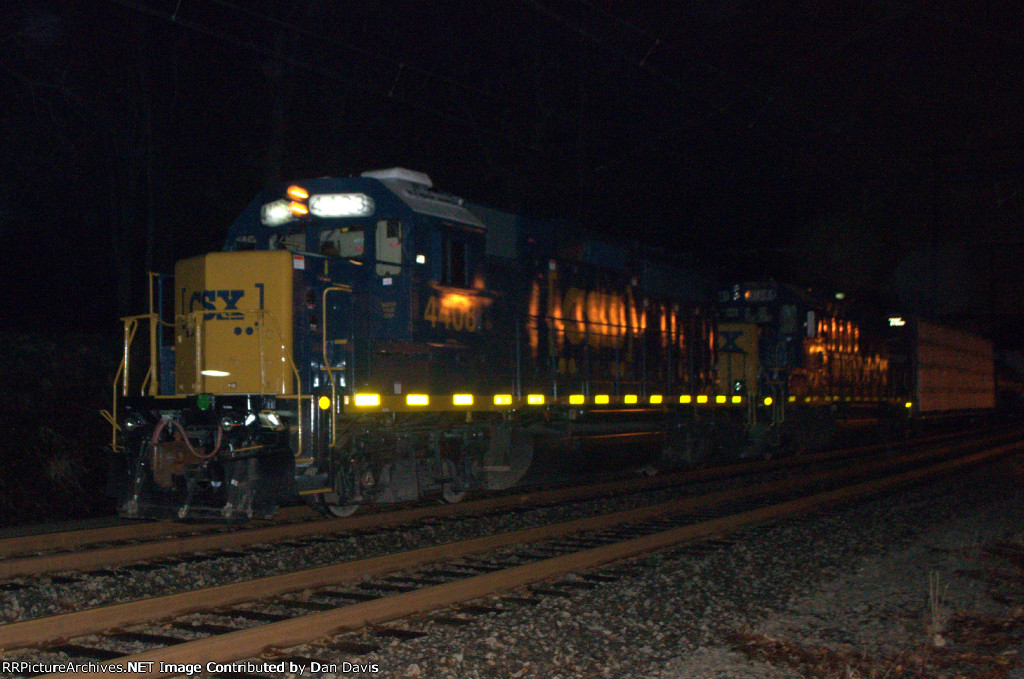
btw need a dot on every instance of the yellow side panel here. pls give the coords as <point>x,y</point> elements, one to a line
<point>234,323</point>
<point>738,356</point>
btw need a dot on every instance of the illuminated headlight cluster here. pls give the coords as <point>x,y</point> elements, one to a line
<point>276,213</point>
<point>341,205</point>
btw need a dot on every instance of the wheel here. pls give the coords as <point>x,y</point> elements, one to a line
<point>453,490</point>
<point>339,510</point>
<point>336,503</point>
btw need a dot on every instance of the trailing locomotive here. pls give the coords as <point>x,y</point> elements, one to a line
<point>371,340</point>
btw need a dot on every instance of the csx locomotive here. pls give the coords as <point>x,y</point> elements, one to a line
<point>371,340</point>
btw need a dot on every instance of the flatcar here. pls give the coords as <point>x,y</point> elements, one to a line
<point>370,340</point>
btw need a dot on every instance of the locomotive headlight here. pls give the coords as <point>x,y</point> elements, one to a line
<point>249,419</point>
<point>269,419</point>
<point>276,213</point>
<point>230,421</point>
<point>341,205</point>
<point>133,421</point>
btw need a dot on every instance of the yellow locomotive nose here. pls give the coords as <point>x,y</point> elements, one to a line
<point>234,312</point>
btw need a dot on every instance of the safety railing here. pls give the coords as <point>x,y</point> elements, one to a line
<point>194,322</point>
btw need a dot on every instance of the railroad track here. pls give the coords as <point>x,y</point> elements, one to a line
<point>297,608</point>
<point>106,548</point>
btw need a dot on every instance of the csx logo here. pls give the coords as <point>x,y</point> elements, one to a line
<point>222,303</point>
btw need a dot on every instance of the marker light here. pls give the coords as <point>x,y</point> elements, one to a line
<point>768,400</point>
<point>417,400</point>
<point>503,399</point>
<point>462,399</point>
<point>297,192</point>
<point>324,402</point>
<point>276,213</point>
<point>298,209</point>
<point>535,399</point>
<point>908,404</point>
<point>367,399</point>
<point>629,398</point>
<point>577,399</point>
<point>656,399</point>
<point>341,205</point>
<point>601,399</point>
<point>685,398</point>
<point>421,259</point>
<point>702,398</point>
<point>737,399</point>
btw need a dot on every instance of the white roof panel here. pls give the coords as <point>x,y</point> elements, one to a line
<point>421,199</point>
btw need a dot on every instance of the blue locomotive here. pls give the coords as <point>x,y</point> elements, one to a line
<point>372,340</point>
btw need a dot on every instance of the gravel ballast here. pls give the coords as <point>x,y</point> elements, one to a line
<point>843,593</point>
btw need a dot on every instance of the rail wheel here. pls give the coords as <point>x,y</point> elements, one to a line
<point>342,501</point>
<point>338,509</point>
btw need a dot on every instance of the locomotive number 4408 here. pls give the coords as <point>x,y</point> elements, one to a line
<point>454,312</point>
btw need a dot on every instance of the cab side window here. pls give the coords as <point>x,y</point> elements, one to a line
<point>453,260</point>
<point>389,247</point>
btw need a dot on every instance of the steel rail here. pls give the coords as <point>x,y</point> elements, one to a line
<point>78,559</point>
<point>251,642</point>
<point>41,630</point>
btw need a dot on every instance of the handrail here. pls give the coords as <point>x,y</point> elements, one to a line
<point>131,326</point>
<point>327,363</point>
<point>150,382</point>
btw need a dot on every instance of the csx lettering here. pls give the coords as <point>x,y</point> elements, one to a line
<point>223,302</point>
<point>729,341</point>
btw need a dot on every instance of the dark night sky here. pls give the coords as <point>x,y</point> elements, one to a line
<point>876,146</point>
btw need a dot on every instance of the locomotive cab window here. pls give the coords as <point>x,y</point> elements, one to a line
<point>454,271</point>
<point>293,242</point>
<point>342,242</point>
<point>389,247</point>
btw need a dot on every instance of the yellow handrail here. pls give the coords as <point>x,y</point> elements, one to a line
<point>150,382</point>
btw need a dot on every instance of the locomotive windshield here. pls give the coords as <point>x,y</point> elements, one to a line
<point>342,242</point>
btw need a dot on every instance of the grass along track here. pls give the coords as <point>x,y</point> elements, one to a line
<point>249,642</point>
